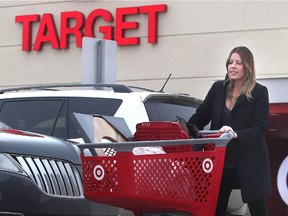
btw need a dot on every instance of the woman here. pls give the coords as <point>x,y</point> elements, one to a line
<point>241,105</point>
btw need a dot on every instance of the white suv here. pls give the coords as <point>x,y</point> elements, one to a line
<point>49,109</point>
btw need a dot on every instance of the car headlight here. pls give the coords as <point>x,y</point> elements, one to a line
<point>8,164</point>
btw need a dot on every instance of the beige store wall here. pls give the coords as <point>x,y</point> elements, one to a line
<point>195,38</point>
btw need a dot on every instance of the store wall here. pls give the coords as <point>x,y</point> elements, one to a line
<point>194,40</point>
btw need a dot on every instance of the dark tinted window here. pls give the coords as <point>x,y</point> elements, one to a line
<point>101,106</point>
<point>4,126</point>
<point>40,116</point>
<point>49,116</point>
<point>160,109</point>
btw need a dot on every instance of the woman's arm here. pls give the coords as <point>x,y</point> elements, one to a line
<point>203,113</point>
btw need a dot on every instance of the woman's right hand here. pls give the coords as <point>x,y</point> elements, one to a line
<point>228,129</point>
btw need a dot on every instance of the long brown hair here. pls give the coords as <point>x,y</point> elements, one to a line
<point>250,75</point>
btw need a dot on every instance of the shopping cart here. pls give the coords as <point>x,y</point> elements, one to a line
<point>175,182</point>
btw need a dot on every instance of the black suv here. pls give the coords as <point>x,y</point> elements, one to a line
<point>41,175</point>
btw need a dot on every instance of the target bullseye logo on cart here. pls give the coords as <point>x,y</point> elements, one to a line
<point>207,165</point>
<point>282,180</point>
<point>98,172</point>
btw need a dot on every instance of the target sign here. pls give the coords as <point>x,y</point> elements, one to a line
<point>282,180</point>
<point>207,165</point>
<point>98,172</point>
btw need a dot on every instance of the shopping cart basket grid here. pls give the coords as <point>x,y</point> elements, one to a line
<point>173,182</point>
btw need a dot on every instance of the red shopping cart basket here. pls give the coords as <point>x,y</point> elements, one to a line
<point>162,130</point>
<point>166,130</point>
<point>172,182</point>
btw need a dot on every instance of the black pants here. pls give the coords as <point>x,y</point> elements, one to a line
<point>228,183</point>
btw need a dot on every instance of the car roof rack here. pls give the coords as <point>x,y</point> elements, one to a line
<point>116,87</point>
<point>140,88</point>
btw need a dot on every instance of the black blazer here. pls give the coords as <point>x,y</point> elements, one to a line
<point>249,119</point>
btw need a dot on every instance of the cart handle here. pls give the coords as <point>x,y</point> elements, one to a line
<point>130,145</point>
